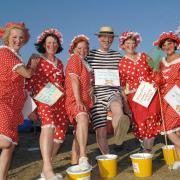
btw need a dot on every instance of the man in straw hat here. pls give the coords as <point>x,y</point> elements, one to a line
<point>108,97</point>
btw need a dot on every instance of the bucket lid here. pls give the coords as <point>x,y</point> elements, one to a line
<point>168,147</point>
<point>141,156</point>
<point>106,157</point>
<point>76,170</point>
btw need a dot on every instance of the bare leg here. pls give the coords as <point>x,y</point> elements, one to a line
<point>4,143</point>
<point>82,133</point>
<point>56,147</point>
<point>5,160</point>
<point>117,112</point>
<point>148,143</point>
<point>75,152</point>
<point>178,133</point>
<point>46,146</point>
<point>101,137</point>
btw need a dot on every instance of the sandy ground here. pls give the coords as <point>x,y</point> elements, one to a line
<point>26,164</point>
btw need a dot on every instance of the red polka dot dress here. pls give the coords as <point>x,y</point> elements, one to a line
<point>146,121</point>
<point>79,68</point>
<point>55,115</point>
<point>170,76</point>
<point>12,95</point>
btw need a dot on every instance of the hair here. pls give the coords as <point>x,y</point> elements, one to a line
<point>169,40</point>
<point>40,46</point>
<point>76,42</point>
<point>5,37</point>
<point>132,38</point>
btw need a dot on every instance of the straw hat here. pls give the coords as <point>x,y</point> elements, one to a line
<point>106,30</point>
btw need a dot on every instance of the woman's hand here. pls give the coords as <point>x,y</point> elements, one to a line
<point>33,116</point>
<point>80,106</point>
<point>34,56</point>
<point>34,61</point>
<point>158,80</point>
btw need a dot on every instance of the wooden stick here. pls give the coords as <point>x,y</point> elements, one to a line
<point>162,116</point>
<point>164,128</point>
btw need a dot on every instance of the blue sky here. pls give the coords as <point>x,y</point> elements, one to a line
<point>73,17</point>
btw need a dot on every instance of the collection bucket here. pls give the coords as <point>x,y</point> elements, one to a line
<point>169,153</point>
<point>142,164</point>
<point>75,173</point>
<point>107,165</point>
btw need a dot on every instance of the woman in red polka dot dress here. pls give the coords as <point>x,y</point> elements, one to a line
<point>133,69</point>
<point>169,77</point>
<point>12,94</point>
<point>54,119</point>
<point>78,98</point>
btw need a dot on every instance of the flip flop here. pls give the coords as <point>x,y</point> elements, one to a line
<point>122,129</point>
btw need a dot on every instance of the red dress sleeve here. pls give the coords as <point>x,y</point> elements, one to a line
<point>74,65</point>
<point>10,60</point>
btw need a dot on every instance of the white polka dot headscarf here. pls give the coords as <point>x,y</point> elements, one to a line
<point>77,39</point>
<point>125,35</point>
<point>48,32</point>
<point>167,35</point>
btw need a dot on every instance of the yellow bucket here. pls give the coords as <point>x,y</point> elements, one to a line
<point>142,164</point>
<point>107,165</point>
<point>75,173</point>
<point>169,153</point>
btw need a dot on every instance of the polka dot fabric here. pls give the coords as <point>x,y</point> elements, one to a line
<point>55,115</point>
<point>12,96</point>
<point>134,72</point>
<point>75,66</point>
<point>170,76</point>
<point>146,121</point>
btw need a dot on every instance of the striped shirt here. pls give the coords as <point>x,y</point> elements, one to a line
<point>98,59</point>
<point>104,60</point>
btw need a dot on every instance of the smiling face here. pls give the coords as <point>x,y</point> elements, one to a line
<point>16,39</point>
<point>82,49</point>
<point>51,45</point>
<point>169,47</point>
<point>129,45</point>
<point>105,42</point>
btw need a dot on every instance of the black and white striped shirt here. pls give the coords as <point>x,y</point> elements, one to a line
<point>104,60</point>
<point>98,59</point>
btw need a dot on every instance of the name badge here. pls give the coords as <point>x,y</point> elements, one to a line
<point>106,77</point>
<point>144,94</point>
<point>173,98</point>
<point>49,94</point>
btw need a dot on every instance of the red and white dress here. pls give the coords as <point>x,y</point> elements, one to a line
<point>146,121</point>
<point>79,68</point>
<point>12,95</point>
<point>169,76</point>
<point>55,115</point>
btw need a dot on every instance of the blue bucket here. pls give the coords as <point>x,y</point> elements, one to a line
<point>26,126</point>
